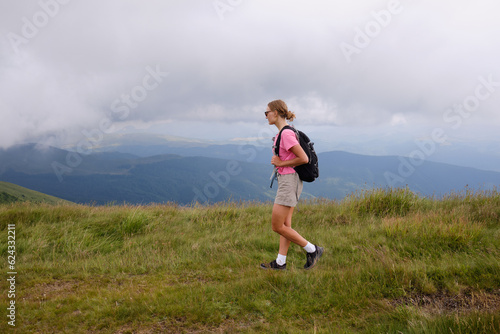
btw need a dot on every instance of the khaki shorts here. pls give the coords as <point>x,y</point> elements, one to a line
<point>289,190</point>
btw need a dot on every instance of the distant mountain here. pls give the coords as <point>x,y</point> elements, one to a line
<point>343,172</point>
<point>102,178</point>
<point>106,177</point>
<point>481,155</point>
<point>146,145</point>
<point>38,159</point>
<point>462,154</point>
<point>10,193</point>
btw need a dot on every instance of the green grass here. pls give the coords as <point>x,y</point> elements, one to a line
<point>394,262</point>
<point>11,193</point>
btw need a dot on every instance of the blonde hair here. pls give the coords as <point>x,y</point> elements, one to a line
<point>282,109</point>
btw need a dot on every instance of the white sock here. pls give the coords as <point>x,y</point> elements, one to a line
<point>281,260</point>
<point>310,248</point>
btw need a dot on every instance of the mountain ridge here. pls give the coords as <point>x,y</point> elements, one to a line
<point>103,178</point>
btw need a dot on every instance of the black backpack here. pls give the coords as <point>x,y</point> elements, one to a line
<point>307,172</point>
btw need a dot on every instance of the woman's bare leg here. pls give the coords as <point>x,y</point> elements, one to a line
<point>282,224</point>
<point>284,242</point>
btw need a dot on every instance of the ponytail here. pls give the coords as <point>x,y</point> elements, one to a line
<point>290,116</point>
<point>282,109</point>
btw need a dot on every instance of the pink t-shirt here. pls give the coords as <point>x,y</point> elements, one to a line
<point>288,140</point>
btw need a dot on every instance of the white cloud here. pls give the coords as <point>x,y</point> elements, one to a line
<point>398,119</point>
<point>90,53</point>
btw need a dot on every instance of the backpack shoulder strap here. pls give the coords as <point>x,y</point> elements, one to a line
<point>278,141</point>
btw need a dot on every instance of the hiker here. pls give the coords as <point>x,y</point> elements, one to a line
<point>291,154</point>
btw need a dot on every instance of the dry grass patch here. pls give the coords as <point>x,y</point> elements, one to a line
<point>444,303</point>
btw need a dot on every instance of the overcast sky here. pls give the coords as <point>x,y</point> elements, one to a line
<point>207,69</point>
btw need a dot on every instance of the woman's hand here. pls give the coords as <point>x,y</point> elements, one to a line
<point>300,158</point>
<point>275,160</point>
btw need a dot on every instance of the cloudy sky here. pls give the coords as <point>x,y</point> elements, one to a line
<point>353,71</point>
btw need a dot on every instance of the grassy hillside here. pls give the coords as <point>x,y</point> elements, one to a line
<point>10,193</point>
<point>393,263</point>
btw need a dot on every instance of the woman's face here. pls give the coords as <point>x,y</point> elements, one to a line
<point>271,116</point>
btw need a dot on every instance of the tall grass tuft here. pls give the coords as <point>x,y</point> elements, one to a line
<point>383,202</point>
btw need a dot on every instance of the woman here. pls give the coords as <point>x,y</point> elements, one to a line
<point>291,154</point>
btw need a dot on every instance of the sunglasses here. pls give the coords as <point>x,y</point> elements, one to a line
<point>267,112</point>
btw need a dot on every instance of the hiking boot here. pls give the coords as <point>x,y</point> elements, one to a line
<point>312,258</point>
<point>272,265</point>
